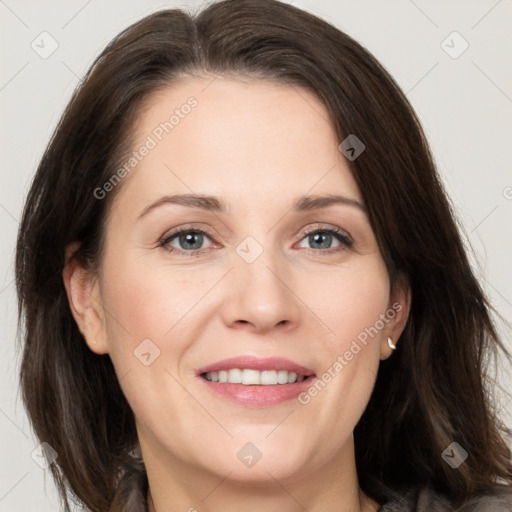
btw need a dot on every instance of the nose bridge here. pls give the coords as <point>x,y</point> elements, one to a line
<point>262,268</point>
<point>260,285</point>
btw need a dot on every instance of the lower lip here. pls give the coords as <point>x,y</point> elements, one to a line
<point>259,396</point>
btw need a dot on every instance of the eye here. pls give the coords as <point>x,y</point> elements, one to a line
<point>322,239</point>
<point>189,241</point>
<point>185,241</point>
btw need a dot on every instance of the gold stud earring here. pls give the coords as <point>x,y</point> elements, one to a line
<point>392,346</point>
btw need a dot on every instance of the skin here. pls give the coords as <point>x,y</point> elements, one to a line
<point>247,141</point>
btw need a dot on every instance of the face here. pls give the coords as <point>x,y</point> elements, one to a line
<point>259,272</point>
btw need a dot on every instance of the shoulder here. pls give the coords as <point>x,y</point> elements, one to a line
<point>499,499</point>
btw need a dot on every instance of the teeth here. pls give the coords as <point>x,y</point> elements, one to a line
<point>254,377</point>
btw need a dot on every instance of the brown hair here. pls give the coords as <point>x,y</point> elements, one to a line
<point>431,392</point>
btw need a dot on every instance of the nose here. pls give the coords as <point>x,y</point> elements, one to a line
<point>259,296</point>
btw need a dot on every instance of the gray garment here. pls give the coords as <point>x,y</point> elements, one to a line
<point>426,500</point>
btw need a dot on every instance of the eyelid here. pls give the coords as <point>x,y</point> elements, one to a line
<point>328,229</point>
<point>167,237</point>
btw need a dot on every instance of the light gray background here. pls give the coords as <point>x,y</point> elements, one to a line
<point>465,105</point>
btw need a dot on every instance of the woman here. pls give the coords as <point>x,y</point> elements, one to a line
<point>252,368</point>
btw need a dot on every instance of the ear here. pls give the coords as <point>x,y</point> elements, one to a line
<point>398,312</point>
<point>83,292</point>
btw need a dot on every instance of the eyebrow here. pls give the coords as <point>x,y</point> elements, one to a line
<point>219,205</point>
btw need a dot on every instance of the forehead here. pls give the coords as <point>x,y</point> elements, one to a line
<point>244,139</point>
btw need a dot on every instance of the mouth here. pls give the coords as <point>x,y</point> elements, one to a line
<point>256,382</point>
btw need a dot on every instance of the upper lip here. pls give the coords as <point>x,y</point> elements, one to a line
<point>256,363</point>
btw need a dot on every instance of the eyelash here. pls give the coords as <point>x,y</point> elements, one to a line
<point>341,236</point>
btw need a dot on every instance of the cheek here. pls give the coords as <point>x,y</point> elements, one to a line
<point>351,303</point>
<point>349,300</point>
<point>147,309</point>
<point>143,302</point>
